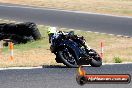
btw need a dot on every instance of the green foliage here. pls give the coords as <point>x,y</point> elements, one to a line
<point>117,60</point>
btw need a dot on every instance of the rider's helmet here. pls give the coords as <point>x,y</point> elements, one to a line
<point>52,30</point>
<point>71,34</point>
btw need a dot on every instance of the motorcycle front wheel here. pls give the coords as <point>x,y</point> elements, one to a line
<point>68,57</point>
<point>96,60</point>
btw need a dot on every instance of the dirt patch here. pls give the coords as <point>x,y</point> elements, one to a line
<point>35,57</point>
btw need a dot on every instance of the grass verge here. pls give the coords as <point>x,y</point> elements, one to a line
<point>37,53</point>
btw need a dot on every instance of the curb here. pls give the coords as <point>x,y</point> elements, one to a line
<point>20,68</point>
<point>117,63</point>
<point>112,64</point>
<point>102,33</point>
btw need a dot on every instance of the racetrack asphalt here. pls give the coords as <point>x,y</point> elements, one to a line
<point>68,19</point>
<point>59,77</point>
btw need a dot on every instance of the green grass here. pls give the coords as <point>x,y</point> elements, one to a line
<point>117,60</point>
<point>92,39</point>
<point>37,53</point>
<point>42,43</point>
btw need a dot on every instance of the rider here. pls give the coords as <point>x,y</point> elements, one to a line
<point>51,31</point>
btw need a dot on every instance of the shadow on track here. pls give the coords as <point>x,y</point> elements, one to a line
<point>54,66</point>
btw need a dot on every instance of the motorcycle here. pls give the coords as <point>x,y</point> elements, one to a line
<point>72,51</point>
